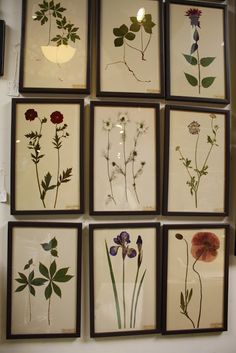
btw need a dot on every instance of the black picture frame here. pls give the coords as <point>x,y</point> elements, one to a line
<point>149,93</point>
<point>174,184</point>
<point>2,46</point>
<point>15,232</point>
<point>213,5</point>
<point>114,109</point>
<point>20,117</point>
<point>56,87</point>
<point>154,290</point>
<point>166,318</point>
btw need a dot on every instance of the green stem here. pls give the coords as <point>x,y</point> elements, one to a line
<point>133,173</point>
<point>58,173</point>
<point>133,295</point>
<point>199,72</point>
<point>49,311</point>
<point>198,176</point>
<point>137,296</point>
<point>123,293</point>
<point>50,27</point>
<point>181,155</point>
<point>38,182</point>
<point>113,281</point>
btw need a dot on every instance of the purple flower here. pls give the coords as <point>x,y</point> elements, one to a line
<point>139,243</point>
<point>122,242</point>
<point>194,15</point>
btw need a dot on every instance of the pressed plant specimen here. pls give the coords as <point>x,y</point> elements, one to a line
<point>28,282</point>
<point>197,170</point>
<point>122,242</point>
<point>34,145</point>
<point>194,58</point>
<point>49,10</point>
<point>204,247</point>
<point>126,34</point>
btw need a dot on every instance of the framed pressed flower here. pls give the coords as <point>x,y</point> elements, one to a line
<point>124,161</point>
<point>125,284</point>
<point>130,48</point>
<point>195,278</point>
<point>197,161</point>
<point>47,156</point>
<point>55,43</point>
<point>43,280</point>
<point>196,71</point>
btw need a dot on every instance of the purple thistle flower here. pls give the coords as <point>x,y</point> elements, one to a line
<point>122,242</point>
<point>193,15</point>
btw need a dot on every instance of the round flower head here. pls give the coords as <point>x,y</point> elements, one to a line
<point>123,118</point>
<point>107,125</point>
<point>56,117</point>
<point>31,114</point>
<point>193,15</point>
<point>205,246</point>
<point>194,128</point>
<point>122,242</point>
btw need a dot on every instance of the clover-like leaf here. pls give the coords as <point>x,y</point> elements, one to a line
<point>148,24</point>
<point>130,36</point>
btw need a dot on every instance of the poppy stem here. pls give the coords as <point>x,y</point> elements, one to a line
<point>123,291</point>
<point>200,290</point>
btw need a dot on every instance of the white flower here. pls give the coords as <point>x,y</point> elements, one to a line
<point>123,118</point>
<point>107,125</point>
<point>142,128</point>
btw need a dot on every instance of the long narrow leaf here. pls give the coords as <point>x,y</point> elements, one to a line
<point>114,287</point>
<point>137,296</point>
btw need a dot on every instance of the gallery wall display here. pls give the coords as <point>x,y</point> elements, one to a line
<point>124,162</point>
<point>2,46</point>
<point>47,156</point>
<point>125,282</point>
<point>196,163</point>
<point>130,48</point>
<point>55,49</point>
<point>44,280</point>
<point>196,71</point>
<point>195,279</point>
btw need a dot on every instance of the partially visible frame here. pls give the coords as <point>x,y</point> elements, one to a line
<point>130,48</point>
<point>47,156</point>
<point>197,160</point>
<point>125,279</point>
<point>2,46</point>
<point>43,280</point>
<point>55,42</point>
<point>195,278</point>
<point>196,72</point>
<point>124,158</point>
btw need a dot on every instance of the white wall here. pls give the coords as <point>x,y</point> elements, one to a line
<point>204,343</point>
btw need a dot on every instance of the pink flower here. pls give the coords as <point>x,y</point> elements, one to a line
<point>205,246</point>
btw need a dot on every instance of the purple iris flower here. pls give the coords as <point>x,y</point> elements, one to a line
<point>122,242</point>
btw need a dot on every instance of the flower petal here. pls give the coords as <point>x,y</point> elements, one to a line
<point>114,250</point>
<point>131,252</point>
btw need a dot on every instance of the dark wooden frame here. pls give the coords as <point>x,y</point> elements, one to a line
<point>158,289</point>
<point>2,46</point>
<point>11,226</point>
<point>15,102</point>
<point>215,5</point>
<point>168,108</point>
<point>156,106</point>
<point>24,89</point>
<point>165,269</point>
<point>101,93</point>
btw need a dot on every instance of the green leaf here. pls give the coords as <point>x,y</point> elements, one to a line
<point>53,268</point>
<point>190,295</point>
<point>38,281</point>
<point>26,267</point>
<point>53,243</point>
<point>48,291</point>
<point>61,275</point>
<point>124,29</point>
<point>130,36</point>
<point>54,253</point>
<point>119,42</point>
<point>20,280</point>
<point>135,27</point>
<point>148,25</point>
<point>117,32</point>
<point>30,262</point>
<point>207,61</point>
<point>31,276</point>
<point>191,79</point>
<point>209,140</point>
<point>43,270</point>
<point>133,19</point>
<point>21,288</point>
<point>194,47</point>
<point>46,246</point>
<point>56,289</point>
<point>32,290</point>
<point>66,278</point>
<point>208,81</point>
<point>182,303</point>
<point>23,277</point>
<point>190,59</point>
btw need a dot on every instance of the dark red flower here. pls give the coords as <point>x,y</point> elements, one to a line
<point>194,15</point>
<point>31,114</point>
<point>56,117</point>
<point>205,246</point>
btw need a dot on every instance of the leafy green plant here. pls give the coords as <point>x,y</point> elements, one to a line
<point>126,34</point>
<point>47,11</point>
<point>194,15</point>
